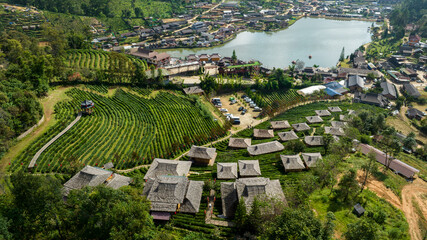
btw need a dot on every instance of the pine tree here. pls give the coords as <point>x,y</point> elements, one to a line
<point>342,55</point>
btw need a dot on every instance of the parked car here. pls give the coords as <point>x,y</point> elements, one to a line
<point>218,105</point>
<point>244,111</point>
<point>240,109</point>
<point>223,110</point>
<point>257,109</point>
<point>252,105</point>
<point>233,102</point>
<point>228,115</point>
<point>244,96</point>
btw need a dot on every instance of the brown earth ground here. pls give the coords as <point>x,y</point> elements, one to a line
<point>413,194</point>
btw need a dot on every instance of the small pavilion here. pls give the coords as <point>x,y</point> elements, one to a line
<point>87,106</point>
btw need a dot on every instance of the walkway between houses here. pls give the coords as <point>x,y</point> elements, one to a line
<point>34,160</point>
<point>209,213</point>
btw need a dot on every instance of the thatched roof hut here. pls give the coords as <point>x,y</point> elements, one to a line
<point>310,159</point>
<point>263,133</point>
<point>229,199</point>
<point>249,168</point>
<point>192,198</point>
<point>226,170</point>
<point>323,113</point>
<point>94,176</point>
<point>239,143</point>
<point>338,124</point>
<point>166,193</point>
<point>336,131</point>
<point>287,136</point>
<point>202,155</point>
<point>161,167</point>
<point>276,125</point>
<point>193,90</point>
<point>264,148</point>
<point>314,119</point>
<point>299,127</point>
<point>247,189</point>
<point>334,109</point>
<point>314,140</point>
<point>292,163</point>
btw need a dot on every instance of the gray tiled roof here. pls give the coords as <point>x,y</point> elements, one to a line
<point>226,170</point>
<point>322,113</point>
<point>94,176</point>
<point>300,127</point>
<point>201,152</point>
<point>239,142</point>
<point>314,119</point>
<point>314,140</point>
<point>229,199</point>
<point>161,167</point>
<point>334,131</point>
<point>334,109</point>
<point>264,148</point>
<point>311,159</point>
<point>263,133</point>
<point>249,168</point>
<point>292,162</point>
<point>287,136</point>
<point>193,197</point>
<point>280,124</point>
<point>388,89</point>
<point>249,188</point>
<point>338,124</point>
<point>355,80</point>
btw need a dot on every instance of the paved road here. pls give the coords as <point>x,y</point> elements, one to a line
<point>34,160</point>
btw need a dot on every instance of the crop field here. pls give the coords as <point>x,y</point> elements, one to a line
<point>267,99</point>
<point>128,129</point>
<point>96,60</point>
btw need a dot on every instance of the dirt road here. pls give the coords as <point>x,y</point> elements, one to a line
<point>413,194</point>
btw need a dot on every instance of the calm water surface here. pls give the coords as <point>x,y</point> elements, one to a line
<point>323,39</point>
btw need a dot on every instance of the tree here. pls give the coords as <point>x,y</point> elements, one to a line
<point>327,141</point>
<point>363,229</point>
<point>391,145</point>
<point>409,142</point>
<point>342,56</point>
<point>254,217</point>
<point>295,224</point>
<point>234,56</point>
<point>299,64</point>
<point>347,186</point>
<point>368,168</point>
<point>240,216</point>
<point>328,228</point>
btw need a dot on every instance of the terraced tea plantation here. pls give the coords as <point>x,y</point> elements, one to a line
<point>131,128</point>
<point>267,99</point>
<point>96,60</point>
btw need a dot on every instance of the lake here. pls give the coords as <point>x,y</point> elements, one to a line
<point>323,39</point>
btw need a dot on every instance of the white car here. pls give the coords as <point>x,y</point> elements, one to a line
<point>223,110</point>
<point>252,105</point>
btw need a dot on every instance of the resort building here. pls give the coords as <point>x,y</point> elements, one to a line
<point>226,170</point>
<point>277,125</point>
<point>239,143</point>
<point>292,163</point>
<point>249,168</point>
<point>287,136</point>
<point>323,113</point>
<point>202,155</point>
<point>310,159</point>
<point>314,119</point>
<point>247,189</point>
<point>313,140</point>
<point>161,167</point>
<point>299,127</point>
<point>264,148</point>
<point>263,133</point>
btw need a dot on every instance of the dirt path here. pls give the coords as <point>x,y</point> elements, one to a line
<point>48,104</point>
<point>413,194</point>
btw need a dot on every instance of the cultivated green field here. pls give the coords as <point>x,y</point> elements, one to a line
<point>97,60</point>
<point>130,128</point>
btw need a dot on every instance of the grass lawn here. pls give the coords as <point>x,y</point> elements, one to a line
<point>394,227</point>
